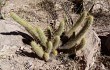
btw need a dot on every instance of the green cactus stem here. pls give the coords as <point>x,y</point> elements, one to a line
<point>56,42</point>
<point>46,56</point>
<point>49,47</point>
<point>60,30</point>
<point>80,20</point>
<point>48,51</point>
<point>81,45</point>
<point>25,24</point>
<point>41,36</point>
<point>72,42</point>
<point>38,49</point>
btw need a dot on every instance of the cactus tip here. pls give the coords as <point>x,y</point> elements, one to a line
<point>46,56</point>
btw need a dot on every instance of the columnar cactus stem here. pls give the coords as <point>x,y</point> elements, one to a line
<point>48,51</point>
<point>38,50</point>
<point>80,20</point>
<point>49,47</point>
<point>25,24</point>
<point>46,56</point>
<point>56,42</point>
<point>60,29</point>
<point>72,42</point>
<point>41,36</point>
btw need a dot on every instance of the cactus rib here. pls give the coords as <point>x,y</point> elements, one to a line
<point>72,42</point>
<point>80,20</point>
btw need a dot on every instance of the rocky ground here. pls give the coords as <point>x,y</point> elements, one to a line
<point>16,53</point>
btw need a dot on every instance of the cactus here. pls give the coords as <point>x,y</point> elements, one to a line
<point>60,29</point>
<point>50,42</point>
<point>49,47</point>
<point>80,20</point>
<point>37,48</point>
<point>37,33</point>
<point>25,24</point>
<point>73,42</point>
<point>41,36</point>
<point>46,56</point>
<point>56,42</point>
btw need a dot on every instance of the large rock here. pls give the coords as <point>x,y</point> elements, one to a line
<point>91,49</point>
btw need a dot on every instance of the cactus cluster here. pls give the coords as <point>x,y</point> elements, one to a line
<point>50,42</point>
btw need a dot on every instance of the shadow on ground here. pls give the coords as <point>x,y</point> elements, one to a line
<point>26,40</point>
